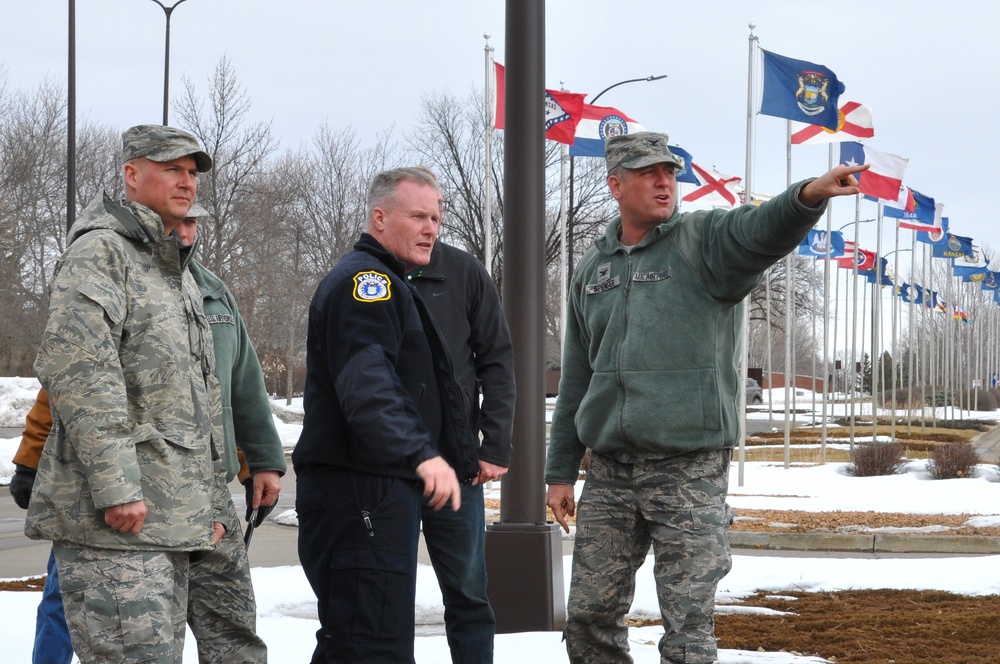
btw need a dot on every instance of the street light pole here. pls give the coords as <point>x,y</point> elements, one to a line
<point>570,214</point>
<point>167,11</point>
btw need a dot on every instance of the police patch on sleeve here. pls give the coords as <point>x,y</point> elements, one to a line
<point>371,287</point>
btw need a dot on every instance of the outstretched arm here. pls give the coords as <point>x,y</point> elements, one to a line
<point>838,182</point>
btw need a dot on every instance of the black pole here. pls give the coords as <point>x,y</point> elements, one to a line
<point>71,120</point>
<point>523,552</point>
<point>167,11</point>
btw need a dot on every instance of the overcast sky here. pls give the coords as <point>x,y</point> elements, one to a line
<point>924,67</point>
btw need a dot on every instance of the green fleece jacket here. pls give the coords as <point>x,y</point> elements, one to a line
<point>245,407</point>
<point>653,335</point>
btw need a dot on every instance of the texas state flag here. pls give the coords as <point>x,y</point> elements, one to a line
<point>598,124</point>
<point>884,178</point>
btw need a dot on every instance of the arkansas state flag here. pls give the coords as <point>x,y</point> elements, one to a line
<point>800,91</point>
<point>598,124</point>
<point>885,176</point>
<point>562,111</point>
<point>713,189</point>
<point>854,121</point>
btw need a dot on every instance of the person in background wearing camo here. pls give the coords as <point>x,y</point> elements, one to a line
<point>650,385</point>
<point>131,486</point>
<point>211,608</point>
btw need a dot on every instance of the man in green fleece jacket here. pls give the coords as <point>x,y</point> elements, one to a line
<point>649,385</point>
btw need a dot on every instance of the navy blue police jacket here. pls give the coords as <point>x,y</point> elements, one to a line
<point>381,396</point>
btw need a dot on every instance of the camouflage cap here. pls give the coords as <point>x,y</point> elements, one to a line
<point>160,143</point>
<point>197,211</point>
<point>639,150</point>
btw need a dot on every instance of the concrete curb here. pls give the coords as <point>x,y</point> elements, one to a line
<point>867,543</point>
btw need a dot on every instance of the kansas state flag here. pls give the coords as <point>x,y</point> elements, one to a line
<point>800,91</point>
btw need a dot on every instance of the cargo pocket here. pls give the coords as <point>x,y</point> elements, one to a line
<point>119,619</point>
<point>376,589</point>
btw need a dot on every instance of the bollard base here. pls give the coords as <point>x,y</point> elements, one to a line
<point>524,564</point>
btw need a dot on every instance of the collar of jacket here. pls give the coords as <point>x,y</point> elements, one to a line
<point>609,243</point>
<point>368,244</point>
<point>434,270</point>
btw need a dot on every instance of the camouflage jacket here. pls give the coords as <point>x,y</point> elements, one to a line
<point>127,360</point>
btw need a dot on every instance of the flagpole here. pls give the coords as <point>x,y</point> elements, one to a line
<point>745,332</point>
<point>877,380</point>
<point>563,250</point>
<point>895,332</point>
<point>488,170</point>
<point>854,316</point>
<point>910,322</point>
<point>789,305</point>
<point>826,316</point>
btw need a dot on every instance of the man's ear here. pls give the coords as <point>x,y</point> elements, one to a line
<point>131,174</point>
<point>615,186</point>
<point>378,219</point>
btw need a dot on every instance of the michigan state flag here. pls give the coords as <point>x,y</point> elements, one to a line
<point>801,91</point>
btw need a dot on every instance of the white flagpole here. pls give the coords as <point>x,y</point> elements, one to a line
<point>488,171</point>
<point>745,334</point>
<point>789,316</point>
<point>827,370</point>
<point>563,249</point>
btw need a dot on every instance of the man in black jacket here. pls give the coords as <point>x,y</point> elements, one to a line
<point>383,420</point>
<point>464,303</point>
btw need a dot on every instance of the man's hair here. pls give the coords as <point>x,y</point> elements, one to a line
<point>383,187</point>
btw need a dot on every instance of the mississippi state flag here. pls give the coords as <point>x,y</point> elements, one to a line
<point>854,122</point>
<point>598,124</point>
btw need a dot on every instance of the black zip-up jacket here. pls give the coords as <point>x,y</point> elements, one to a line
<point>381,397</point>
<point>466,308</point>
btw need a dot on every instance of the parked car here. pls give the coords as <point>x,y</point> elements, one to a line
<point>755,395</point>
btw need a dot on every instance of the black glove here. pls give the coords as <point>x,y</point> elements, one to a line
<point>262,511</point>
<point>21,484</point>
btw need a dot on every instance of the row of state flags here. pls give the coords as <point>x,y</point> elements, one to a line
<point>807,94</point>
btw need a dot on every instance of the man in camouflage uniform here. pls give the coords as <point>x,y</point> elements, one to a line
<point>649,384</point>
<point>130,485</point>
<point>221,612</point>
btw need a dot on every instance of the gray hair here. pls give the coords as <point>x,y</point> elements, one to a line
<point>383,187</point>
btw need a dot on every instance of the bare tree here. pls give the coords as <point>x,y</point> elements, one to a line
<point>239,149</point>
<point>32,215</point>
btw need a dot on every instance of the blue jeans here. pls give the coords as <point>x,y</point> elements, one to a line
<point>455,542</point>
<point>52,645</point>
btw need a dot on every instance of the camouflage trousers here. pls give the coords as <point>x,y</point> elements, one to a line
<point>222,611</point>
<point>130,606</point>
<point>677,505</point>
<point>124,606</point>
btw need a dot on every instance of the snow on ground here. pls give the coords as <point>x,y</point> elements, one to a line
<point>286,606</point>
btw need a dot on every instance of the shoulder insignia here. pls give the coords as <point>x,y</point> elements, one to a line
<point>370,286</point>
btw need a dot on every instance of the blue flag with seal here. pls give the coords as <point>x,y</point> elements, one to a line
<point>955,246</point>
<point>814,244</point>
<point>801,91</point>
<point>685,174</point>
<point>938,238</point>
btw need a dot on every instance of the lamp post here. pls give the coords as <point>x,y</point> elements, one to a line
<point>570,214</point>
<point>167,11</point>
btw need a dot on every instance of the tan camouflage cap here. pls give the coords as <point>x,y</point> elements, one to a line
<point>639,150</point>
<point>197,211</point>
<point>160,143</point>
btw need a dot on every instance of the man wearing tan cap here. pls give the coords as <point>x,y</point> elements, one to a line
<point>130,484</point>
<point>649,385</point>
